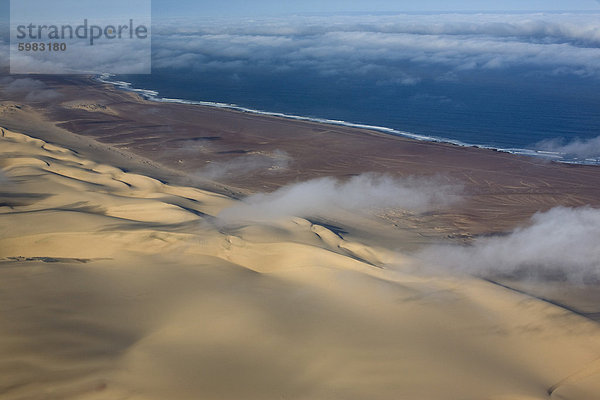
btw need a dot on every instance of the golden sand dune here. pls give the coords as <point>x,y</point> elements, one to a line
<point>118,286</point>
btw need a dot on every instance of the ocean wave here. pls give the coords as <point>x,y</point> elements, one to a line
<point>153,95</point>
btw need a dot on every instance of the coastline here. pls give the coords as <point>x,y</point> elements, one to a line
<point>192,141</point>
<point>152,95</point>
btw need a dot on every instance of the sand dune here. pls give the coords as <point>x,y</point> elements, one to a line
<point>115,285</point>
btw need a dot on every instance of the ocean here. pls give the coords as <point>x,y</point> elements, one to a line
<point>493,110</point>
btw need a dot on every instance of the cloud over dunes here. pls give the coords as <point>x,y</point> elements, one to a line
<point>30,89</point>
<point>561,243</point>
<point>326,196</point>
<point>385,45</point>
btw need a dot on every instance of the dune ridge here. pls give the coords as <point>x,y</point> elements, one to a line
<point>117,285</point>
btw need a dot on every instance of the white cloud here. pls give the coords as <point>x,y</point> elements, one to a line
<point>581,149</point>
<point>30,89</point>
<point>326,196</point>
<point>121,57</point>
<point>561,243</point>
<point>246,164</point>
<point>386,44</point>
<point>4,53</point>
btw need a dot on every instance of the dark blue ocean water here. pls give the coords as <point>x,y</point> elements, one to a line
<point>502,109</point>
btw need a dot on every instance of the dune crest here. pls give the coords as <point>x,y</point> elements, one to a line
<point>117,285</point>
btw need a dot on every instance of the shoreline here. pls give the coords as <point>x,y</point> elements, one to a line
<point>153,96</point>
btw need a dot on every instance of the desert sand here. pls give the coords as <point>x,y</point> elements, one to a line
<point>122,278</point>
<point>117,285</point>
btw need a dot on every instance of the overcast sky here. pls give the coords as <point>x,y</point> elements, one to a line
<point>464,42</point>
<point>274,7</point>
<point>237,8</point>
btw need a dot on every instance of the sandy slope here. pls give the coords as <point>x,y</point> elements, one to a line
<point>117,286</point>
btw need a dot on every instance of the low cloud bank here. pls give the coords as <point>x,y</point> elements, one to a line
<point>576,149</point>
<point>563,243</point>
<point>326,196</point>
<point>251,163</point>
<point>384,46</point>
<point>4,52</point>
<point>379,46</point>
<point>30,89</point>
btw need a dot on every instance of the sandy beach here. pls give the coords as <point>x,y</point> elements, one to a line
<point>145,253</point>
